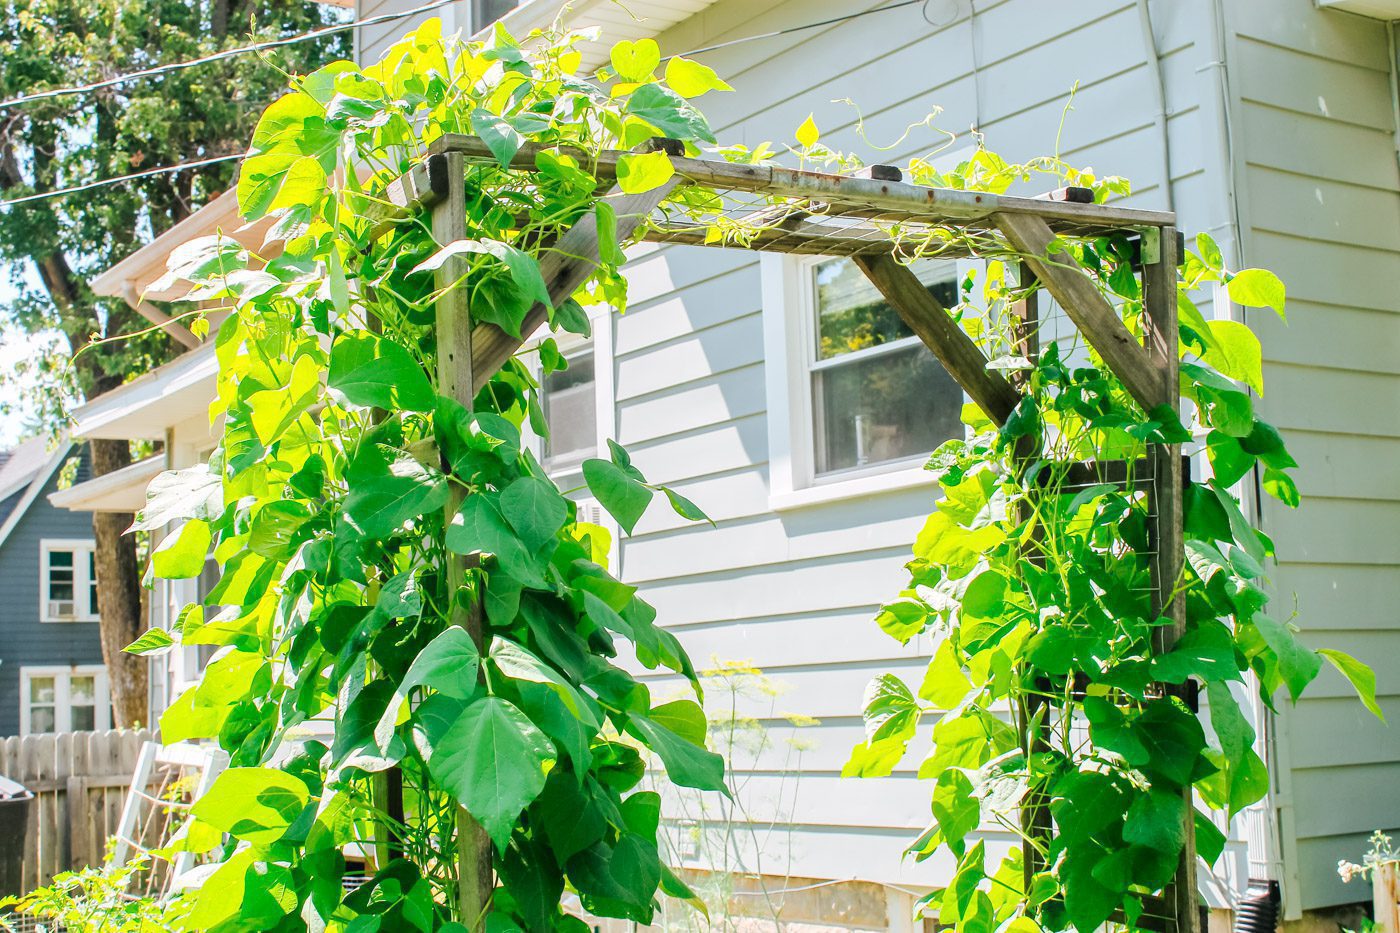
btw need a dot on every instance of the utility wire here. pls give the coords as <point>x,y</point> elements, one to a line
<point>101,183</point>
<point>217,56</point>
<point>104,182</point>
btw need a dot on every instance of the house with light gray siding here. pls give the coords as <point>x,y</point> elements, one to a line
<point>1269,124</point>
<point>51,673</point>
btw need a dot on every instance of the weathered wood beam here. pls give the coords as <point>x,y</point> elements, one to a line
<point>954,348</point>
<point>1166,529</point>
<point>890,198</point>
<point>1141,375</point>
<point>565,266</point>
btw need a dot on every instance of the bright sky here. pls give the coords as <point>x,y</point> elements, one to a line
<point>15,345</point>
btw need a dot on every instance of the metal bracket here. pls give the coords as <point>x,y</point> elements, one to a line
<point>1151,245</point>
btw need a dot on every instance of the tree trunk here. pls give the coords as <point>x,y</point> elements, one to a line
<point>119,596</point>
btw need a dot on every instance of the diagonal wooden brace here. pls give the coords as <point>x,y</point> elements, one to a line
<point>1140,373</point>
<point>566,266</point>
<point>954,348</point>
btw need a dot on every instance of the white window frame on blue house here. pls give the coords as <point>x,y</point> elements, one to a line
<point>63,695</point>
<point>84,580</point>
<point>789,343</point>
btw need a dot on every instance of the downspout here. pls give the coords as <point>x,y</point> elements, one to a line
<point>1274,815</point>
<point>1159,91</point>
<point>178,332</point>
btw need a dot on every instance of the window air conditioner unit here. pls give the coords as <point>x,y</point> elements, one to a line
<point>591,512</point>
<point>63,609</point>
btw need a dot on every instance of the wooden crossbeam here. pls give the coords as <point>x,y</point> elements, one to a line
<point>892,199</point>
<point>954,348</point>
<point>1142,375</point>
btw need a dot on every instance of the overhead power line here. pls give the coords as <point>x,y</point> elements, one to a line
<point>100,183</point>
<point>104,182</point>
<point>217,56</point>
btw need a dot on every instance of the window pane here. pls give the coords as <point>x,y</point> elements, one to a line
<point>486,12</point>
<point>41,690</point>
<point>570,409</point>
<point>83,689</point>
<point>84,718</point>
<point>851,314</point>
<point>92,583</point>
<point>884,407</point>
<point>41,719</point>
<point>61,575</point>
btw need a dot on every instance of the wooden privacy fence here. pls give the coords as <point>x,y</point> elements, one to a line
<point>80,782</point>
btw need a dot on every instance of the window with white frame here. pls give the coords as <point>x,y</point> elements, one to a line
<point>64,699</point>
<point>67,581</point>
<point>569,398</point>
<point>854,395</point>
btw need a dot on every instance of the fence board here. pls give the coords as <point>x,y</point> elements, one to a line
<point>79,781</point>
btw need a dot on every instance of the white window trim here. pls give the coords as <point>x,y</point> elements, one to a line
<point>62,688</point>
<point>81,581</point>
<point>788,333</point>
<point>569,473</point>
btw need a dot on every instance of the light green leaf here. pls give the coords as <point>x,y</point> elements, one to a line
<point>1362,678</point>
<point>153,641</point>
<point>643,171</point>
<point>807,134</point>
<point>676,732</point>
<point>1236,353</point>
<point>684,507</point>
<point>945,685</point>
<point>379,505</point>
<point>692,79</point>
<point>303,186</point>
<point>624,496</point>
<point>253,804</point>
<point>194,492</point>
<point>1257,288</point>
<point>480,528</point>
<point>635,61</point>
<point>449,664</point>
<point>182,554</point>
<point>1298,664</point>
<point>1242,778</point>
<point>494,761</point>
<point>370,371</point>
<point>500,137</point>
<point>666,110</point>
<point>608,248</point>
<point>535,509</point>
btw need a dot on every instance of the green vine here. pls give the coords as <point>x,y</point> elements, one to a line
<point>325,501</point>
<point>1046,693</point>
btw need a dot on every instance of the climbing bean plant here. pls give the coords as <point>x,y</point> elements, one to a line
<point>354,714</point>
<point>1046,692</point>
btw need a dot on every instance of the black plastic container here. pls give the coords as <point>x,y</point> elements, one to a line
<point>15,801</point>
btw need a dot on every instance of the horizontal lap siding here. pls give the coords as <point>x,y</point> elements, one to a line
<point>24,640</point>
<point>794,593</point>
<point>1315,133</point>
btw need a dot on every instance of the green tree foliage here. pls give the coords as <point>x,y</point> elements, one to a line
<point>62,243</point>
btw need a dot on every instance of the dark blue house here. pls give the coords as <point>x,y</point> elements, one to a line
<point>51,674</point>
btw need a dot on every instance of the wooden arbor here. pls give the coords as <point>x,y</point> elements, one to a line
<point>816,213</point>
